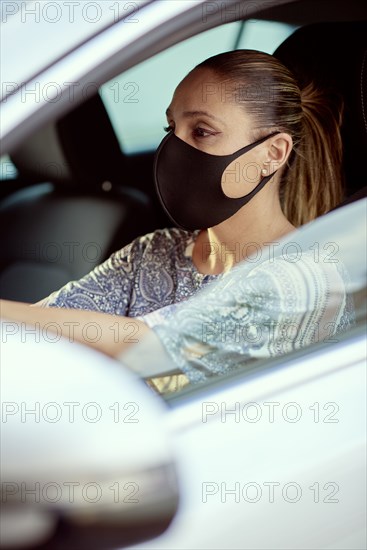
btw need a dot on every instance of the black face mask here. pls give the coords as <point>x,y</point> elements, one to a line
<point>188,183</point>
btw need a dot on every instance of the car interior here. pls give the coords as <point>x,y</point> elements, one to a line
<point>77,196</point>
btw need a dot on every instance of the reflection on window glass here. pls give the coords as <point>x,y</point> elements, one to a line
<point>7,169</point>
<point>137,100</point>
<point>308,288</point>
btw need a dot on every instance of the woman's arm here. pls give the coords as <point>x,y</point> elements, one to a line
<point>129,340</point>
<point>110,334</point>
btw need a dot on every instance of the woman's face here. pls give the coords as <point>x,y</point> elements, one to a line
<point>204,114</point>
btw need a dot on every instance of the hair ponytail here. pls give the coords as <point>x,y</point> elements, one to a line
<point>311,183</point>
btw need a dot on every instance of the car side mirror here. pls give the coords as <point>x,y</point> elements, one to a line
<point>85,456</point>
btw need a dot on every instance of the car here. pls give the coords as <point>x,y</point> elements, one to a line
<point>269,456</point>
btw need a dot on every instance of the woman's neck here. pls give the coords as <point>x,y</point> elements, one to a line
<point>219,248</point>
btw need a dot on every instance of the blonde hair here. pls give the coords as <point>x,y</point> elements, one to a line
<point>311,182</point>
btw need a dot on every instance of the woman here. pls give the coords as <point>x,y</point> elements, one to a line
<point>249,157</point>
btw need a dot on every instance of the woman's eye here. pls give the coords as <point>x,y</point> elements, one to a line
<point>202,133</point>
<point>197,133</point>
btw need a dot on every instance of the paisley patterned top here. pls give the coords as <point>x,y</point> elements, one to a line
<point>154,271</point>
<point>257,309</point>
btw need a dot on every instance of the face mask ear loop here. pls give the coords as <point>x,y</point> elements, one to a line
<point>258,188</point>
<point>263,180</point>
<point>251,146</point>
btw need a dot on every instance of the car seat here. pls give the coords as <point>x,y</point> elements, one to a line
<point>79,208</point>
<point>335,55</point>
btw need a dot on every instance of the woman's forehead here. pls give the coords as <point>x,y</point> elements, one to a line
<point>204,90</point>
<point>197,82</point>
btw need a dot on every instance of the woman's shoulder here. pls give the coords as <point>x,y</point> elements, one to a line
<point>168,235</point>
<point>161,242</point>
<point>155,247</point>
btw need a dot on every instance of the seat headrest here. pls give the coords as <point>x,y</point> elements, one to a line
<point>334,55</point>
<point>80,148</point>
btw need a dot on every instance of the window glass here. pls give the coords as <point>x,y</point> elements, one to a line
<point>7,168</point>
<point>309,287</point>
<point>265,36</point>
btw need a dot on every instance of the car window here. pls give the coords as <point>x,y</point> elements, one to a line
<point>129,98</point>
<point>7,168</point>
<point>264,35</point>
<point>309,287</point>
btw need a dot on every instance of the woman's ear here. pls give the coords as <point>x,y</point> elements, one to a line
<point>278,152</point>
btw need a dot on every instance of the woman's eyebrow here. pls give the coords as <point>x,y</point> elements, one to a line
<point>191,114</point>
